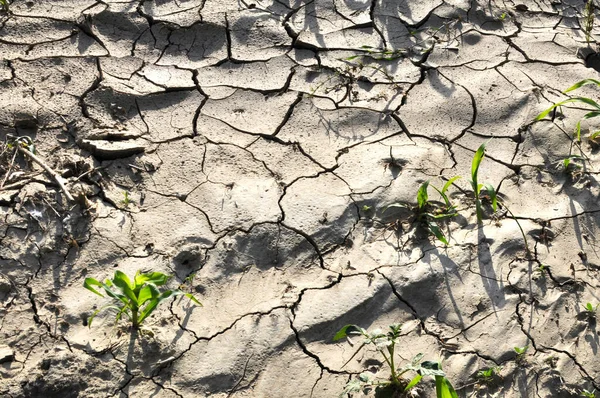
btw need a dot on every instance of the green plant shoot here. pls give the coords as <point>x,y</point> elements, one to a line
<point>477,187</point>
<point>136,299</point>
<point>385,344</point>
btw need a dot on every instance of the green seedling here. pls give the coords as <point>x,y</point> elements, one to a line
<point>488,375</point>
<point>521,352</point>
<point>588,20</point>
<point>542,269</point>
<point>590,309</point>
<point>135,299</point>
<point>430,213</point>
<point>479,187</point>
<point>385,344</point>
<point>4,4</point>
<point>126,199</point>
<point>588,394</point>
<point>572,161</point>
<point>594,109</point>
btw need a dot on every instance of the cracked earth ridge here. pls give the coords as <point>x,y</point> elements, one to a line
<point>250,148</point>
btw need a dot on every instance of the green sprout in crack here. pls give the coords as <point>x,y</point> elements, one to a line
<point>135,299</point>
<point>126,199</point>
<point>593,108</point>
<point>588,394</point>
<point>479,187</point>
<point>521,352</point>
<point>590,309</point>
<point>397,383</point>
<point>430,213</point>
<point>572,163</point>
<point>489,375</point>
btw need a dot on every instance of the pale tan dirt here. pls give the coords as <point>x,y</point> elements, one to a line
<point>259,143</point>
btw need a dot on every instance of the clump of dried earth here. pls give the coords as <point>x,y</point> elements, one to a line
<point>249,148</point>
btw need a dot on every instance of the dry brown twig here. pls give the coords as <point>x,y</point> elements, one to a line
<point>59,180</point>
<point>10,166</point>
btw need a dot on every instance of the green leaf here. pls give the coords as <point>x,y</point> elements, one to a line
<point>348,330</point>
<point>444,388</point>
<point>431,368</point>
<point>415,380</point>
<point>578,131</point>
<point>582,83</point>
<point>122,281</point>
<point>191,297</point>
<point>587,101</point>
<point>591,114</point>
<point>153,303</point>
<point>422,196</point>
<point>148,292</point>
<point>89,282</point>
<point>521,350</point>
<point>476,162</point>
<point>449,183</point>
<point>492,192</point>
<point>156,278</point>
<point>589,307</point>
<point>416,359</point>
<point>437,232</point>
<point>352,386</point>
<point>108,288</point>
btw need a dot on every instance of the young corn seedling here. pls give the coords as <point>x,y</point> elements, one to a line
<point>593,109</point>
<point>135,299</point>
<point>479,187</point>
<point>491,192</point>
<point>428,212</point>
<point>397,385</point>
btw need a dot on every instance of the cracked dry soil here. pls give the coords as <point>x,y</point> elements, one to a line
<point>259,143</point>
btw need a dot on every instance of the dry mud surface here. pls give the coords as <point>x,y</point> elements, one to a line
<point>259,143</point>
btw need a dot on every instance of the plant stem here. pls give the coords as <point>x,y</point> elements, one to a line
<point>134,317</point>
<point>394,376</point>
<point>391,365</point>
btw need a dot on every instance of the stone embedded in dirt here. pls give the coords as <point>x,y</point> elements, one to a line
<point>6,354</point>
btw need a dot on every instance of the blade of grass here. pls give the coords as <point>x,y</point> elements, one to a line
<point>574,99</point>
<point>422,196</point>
<point>581,84</point>
<point>437,232</point>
